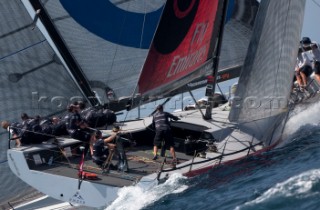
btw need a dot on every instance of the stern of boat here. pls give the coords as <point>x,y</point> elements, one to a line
<point>33,165</point>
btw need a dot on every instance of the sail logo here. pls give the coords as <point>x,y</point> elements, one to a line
<point>182,63</point>
<point>177,19</point>
<point>182,13</point>
<point>125,23</point>
<point>77,199</point>
<point>199,33</point>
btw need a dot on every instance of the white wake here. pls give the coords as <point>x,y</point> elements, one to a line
<point>302,117</point>
<point>135,197</point>
<point>299,185</point>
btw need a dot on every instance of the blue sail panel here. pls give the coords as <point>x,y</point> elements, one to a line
<point>127,28</point>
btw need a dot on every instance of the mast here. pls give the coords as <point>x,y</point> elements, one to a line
<point>211,83</point>
<point>74,68</point>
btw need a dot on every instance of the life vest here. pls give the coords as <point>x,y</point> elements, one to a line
<point>110,116</point>
<point>31,132</point>
<point>16,128</point>
<point>46,126</point>
<point>98,117</point>
<point>99,149</point>
<point>60,128</point>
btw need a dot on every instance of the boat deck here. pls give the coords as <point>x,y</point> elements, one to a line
<point>63,158</point>
<point>212,142</point>
<point>139,161</point>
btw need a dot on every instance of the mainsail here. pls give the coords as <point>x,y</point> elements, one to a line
<point>267,75</point>
<point>33,80</point>
<point>108,40</point>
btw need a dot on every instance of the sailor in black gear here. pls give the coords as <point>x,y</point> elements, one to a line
<point>97,116</point>
<point>78,128</point>
<point>163,132</point>
<point>100,151</point>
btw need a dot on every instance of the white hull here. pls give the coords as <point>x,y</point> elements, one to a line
<point>100,194</point>
<point>233,145</point>
<point>60,187</point>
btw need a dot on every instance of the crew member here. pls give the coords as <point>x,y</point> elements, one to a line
<point>101,149</point>
<point>163,132</point>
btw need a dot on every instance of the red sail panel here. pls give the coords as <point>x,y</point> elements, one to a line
<point>184,41</point>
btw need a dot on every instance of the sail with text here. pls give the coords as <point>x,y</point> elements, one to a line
<point>183,46</point>
<point>235,41</point>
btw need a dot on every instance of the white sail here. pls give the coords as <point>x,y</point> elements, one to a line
<point>264,87</point>
<point>33,81</point>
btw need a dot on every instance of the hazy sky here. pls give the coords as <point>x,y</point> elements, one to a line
<point>311,26</point>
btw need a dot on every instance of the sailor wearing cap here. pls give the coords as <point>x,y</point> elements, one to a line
<point>313,49</point>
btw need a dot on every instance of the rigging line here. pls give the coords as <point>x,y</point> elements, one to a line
<point>117,46</point>
<point>124,119</point>
<point>143,24</point>
<point>147,127</point>
<point>74,69</point>
<point>225,121</point>
<point>34,132</point>
<point>23,49</point>
<point>15,31</point>
<point>3,161</point>
<point>45,2</point>
<point>60,18</point>
<point>314,1</point>
<point>212,159</point>
<point>15,77</point>
<point>122,2</point>
<point>49,135</point>
<point>221,91</point>
<point>141,39</point>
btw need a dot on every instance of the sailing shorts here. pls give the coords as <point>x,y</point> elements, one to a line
<point>163,135</point>
<point>99,160</point>
<point>316,67</point>
<point>307,70</point>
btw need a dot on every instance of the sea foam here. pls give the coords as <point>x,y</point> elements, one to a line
<point>135,197</point>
